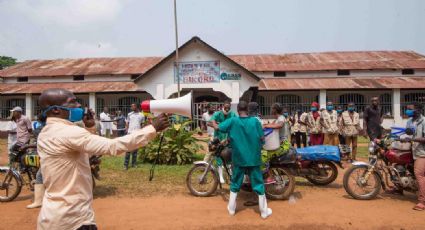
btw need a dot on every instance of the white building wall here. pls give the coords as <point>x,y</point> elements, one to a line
<point>87,78</point>
<point>333,73</point>
<point>160,82</point>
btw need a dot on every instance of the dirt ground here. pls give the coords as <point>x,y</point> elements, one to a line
<point>315,208</point>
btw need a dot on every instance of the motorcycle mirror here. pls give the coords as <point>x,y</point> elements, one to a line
<point>409,131</point>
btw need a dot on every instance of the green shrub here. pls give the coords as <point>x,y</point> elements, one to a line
<point>179,146</point>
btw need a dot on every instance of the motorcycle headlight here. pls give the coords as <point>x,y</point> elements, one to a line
<point>372,147</point>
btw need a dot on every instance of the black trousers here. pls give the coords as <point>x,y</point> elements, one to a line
<point>88,227</point>
<point>300,138</point>
<point>341,139</point>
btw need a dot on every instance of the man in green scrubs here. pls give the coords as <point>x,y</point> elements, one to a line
<point>217,118</point>
<point>246,137</point>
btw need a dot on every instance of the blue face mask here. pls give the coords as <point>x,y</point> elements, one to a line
<point>350,109</point>
<point>75,114</point>
<point>329,107</point>
<point>409,112</point>
<point>286,114</point>
<point>313,109</point>
<point>339,111</point>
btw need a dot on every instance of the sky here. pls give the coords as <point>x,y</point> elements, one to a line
<point>50,29</point>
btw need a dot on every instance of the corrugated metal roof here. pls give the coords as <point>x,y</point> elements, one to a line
<point>342,83</point>
<point>75,87</point>
<point>260,62</point>
<point>332,61</point>
<point>83,66</point>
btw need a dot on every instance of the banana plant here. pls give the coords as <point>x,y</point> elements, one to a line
<point>179,146</point>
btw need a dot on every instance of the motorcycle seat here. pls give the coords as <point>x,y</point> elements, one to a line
<point>287,158</point>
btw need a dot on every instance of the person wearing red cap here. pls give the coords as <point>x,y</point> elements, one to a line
<point>314,125</point>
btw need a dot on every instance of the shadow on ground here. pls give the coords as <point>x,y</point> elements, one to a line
<point>102,191</point>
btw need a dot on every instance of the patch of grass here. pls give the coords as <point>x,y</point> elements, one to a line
<point>363,140</point>
<point>362,151</point>
<point>168,179</point>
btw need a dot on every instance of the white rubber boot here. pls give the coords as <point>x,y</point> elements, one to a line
<point>231,207</point>
<point>264,210</point>
<point>38,196</point>
<point>220,174</point>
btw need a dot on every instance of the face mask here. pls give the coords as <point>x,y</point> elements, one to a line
<point>313,109</point>
<point>350,109</point>
<point>329,107</point>
<point>339,111</point>
<point>409,112</point>
<point>75,114</point>
<point>286,114</point>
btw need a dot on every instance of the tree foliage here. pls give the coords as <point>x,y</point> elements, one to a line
<point>6,61</point>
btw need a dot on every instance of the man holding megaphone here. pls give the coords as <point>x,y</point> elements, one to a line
<point>65,148</point>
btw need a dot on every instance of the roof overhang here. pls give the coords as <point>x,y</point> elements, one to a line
<point>342,83</point>
<point>75,87</point>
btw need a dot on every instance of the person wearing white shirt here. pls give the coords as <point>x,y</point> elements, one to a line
<point>11,135</point>
<point>206,117</point>
<point>105,123</point>
<point>134,122</point>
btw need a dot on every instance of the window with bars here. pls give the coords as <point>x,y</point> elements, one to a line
<point>410,98</point>
<point>343,72</point>
<point>264,109</point>
<point>116,103</point>
<point>22,79</point>
<point>361,100</point>
<point>125,103</point>
<point>357,99</point>
<point>386,101</point>
<point>291,102</point>
<point>78,77</point>
<point>9,104</point>
<point>408,71</point>
<point>100,103</point>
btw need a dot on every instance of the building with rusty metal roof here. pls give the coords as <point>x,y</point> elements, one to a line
<point>295,80</point>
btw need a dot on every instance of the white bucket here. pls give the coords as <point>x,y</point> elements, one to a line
<point>272,141</point>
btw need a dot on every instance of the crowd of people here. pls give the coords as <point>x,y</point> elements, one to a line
<point>135,120</point>
<point>320,126</point>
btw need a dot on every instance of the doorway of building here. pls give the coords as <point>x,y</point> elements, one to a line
<point>201,98</point>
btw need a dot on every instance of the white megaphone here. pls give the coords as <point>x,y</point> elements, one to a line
<point>180,106</point>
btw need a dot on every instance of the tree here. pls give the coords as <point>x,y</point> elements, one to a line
<point>6,61</point>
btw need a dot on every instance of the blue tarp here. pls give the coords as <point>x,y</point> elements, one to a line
<point>320,152</point>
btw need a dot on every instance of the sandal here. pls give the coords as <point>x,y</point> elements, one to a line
<point>419,207</point>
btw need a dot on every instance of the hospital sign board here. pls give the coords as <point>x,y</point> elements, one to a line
<point>197,72</point>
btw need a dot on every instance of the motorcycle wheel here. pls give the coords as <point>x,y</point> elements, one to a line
<point>284,186</point>
<point>201,188</point>
<point>358,189</point>
<point>331,173</point>
<point>10,187</point>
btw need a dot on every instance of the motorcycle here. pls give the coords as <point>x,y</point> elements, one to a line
<point>24,161</point>
<point>363,181</point>
<point>317,171</point>
<point>203,179</point>
<point>95,168</point>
